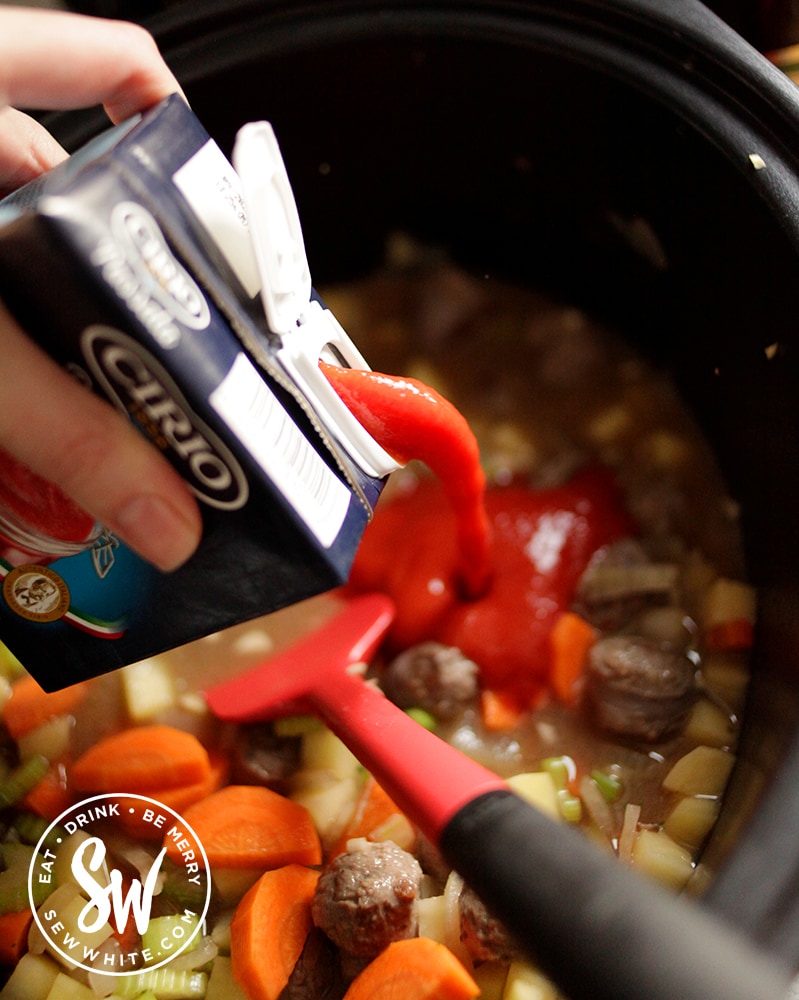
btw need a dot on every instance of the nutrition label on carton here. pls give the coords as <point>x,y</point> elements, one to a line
<point>249,407</point>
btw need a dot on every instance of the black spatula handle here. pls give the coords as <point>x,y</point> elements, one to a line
<point>598,930</point>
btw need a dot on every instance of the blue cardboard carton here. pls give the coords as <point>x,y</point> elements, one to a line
<point>132,264</point>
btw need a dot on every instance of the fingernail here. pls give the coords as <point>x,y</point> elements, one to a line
<point>159,532</point>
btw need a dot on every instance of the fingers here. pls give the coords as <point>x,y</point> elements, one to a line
<point>26,150</point>
<point>57,60</point>
<point>76,440</point>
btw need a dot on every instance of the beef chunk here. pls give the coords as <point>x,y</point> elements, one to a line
<point>260,757</point>
<point>637,689</point>
<point>485,937</point>
<point>619,582</point>
<point>367,898</point>
<point>432,676</point>
<point>317,974</point>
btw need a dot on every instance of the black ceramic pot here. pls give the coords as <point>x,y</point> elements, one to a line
<point>518,134</point>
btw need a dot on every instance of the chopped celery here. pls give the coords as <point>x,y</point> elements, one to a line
<point>295,725</point>
<point>560,769</point>
<point>165,936</point>
<point>608,783</point>
<point>570,806</point>
<point>22,779</point>
<point>10,666</point>
<point>423,717</point>
<point>165,983</point>
<point>31,828</point>
<point>14,895</point>
<point>221,983</point>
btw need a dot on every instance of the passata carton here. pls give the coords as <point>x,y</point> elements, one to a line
<point>135,265</point>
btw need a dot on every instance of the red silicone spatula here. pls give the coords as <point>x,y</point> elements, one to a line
<point>600,932</point>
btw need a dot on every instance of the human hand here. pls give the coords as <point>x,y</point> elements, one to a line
<point>54,60</point>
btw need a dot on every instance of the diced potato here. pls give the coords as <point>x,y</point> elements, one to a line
<point>149,688</point>
<point>67,988</point>
<point>526,983</point>
<point>727,676</point>
<point>322,750</point>
<point>710,725</point>
<point>691,820</point>
<point>537,788</point>
<point>222,984</point>
<point>702,771</point>
<point>59,915</point>
<point>232,883</point>
<point>433,918</point>
<point>656,854</point>
<point>50,740</point>
<point>491,978</point>
<point>329,800</point>
<point>32,979</point>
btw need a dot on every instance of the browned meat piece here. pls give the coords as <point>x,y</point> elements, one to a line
<point>485,937</point>
<point>259,757</point>
<point>431,859</point>
<point>317,974</point>
<point>367,898</point>
<point>619,582</point>
<point>432,676</point>
<point>637,689</point>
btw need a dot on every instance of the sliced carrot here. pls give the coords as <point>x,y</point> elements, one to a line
<point>269,930</point>
<point>414,969</point>
<point>52,795</point>
<point>30,706</point>
<point>248,826</point>
<point>373,810</point>
<point>141,759</point>
<point>500,710</point>
<point>14,928</point>
<point>570,639</point>
<point>178,798</point>
<point>731,636</point>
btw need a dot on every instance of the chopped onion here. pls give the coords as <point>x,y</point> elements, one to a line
<point>629,830</point>
<point>452,919</point>
<point>599,810</point>
<point>195,958</point>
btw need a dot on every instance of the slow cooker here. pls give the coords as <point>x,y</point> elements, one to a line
<point>529,139</point>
